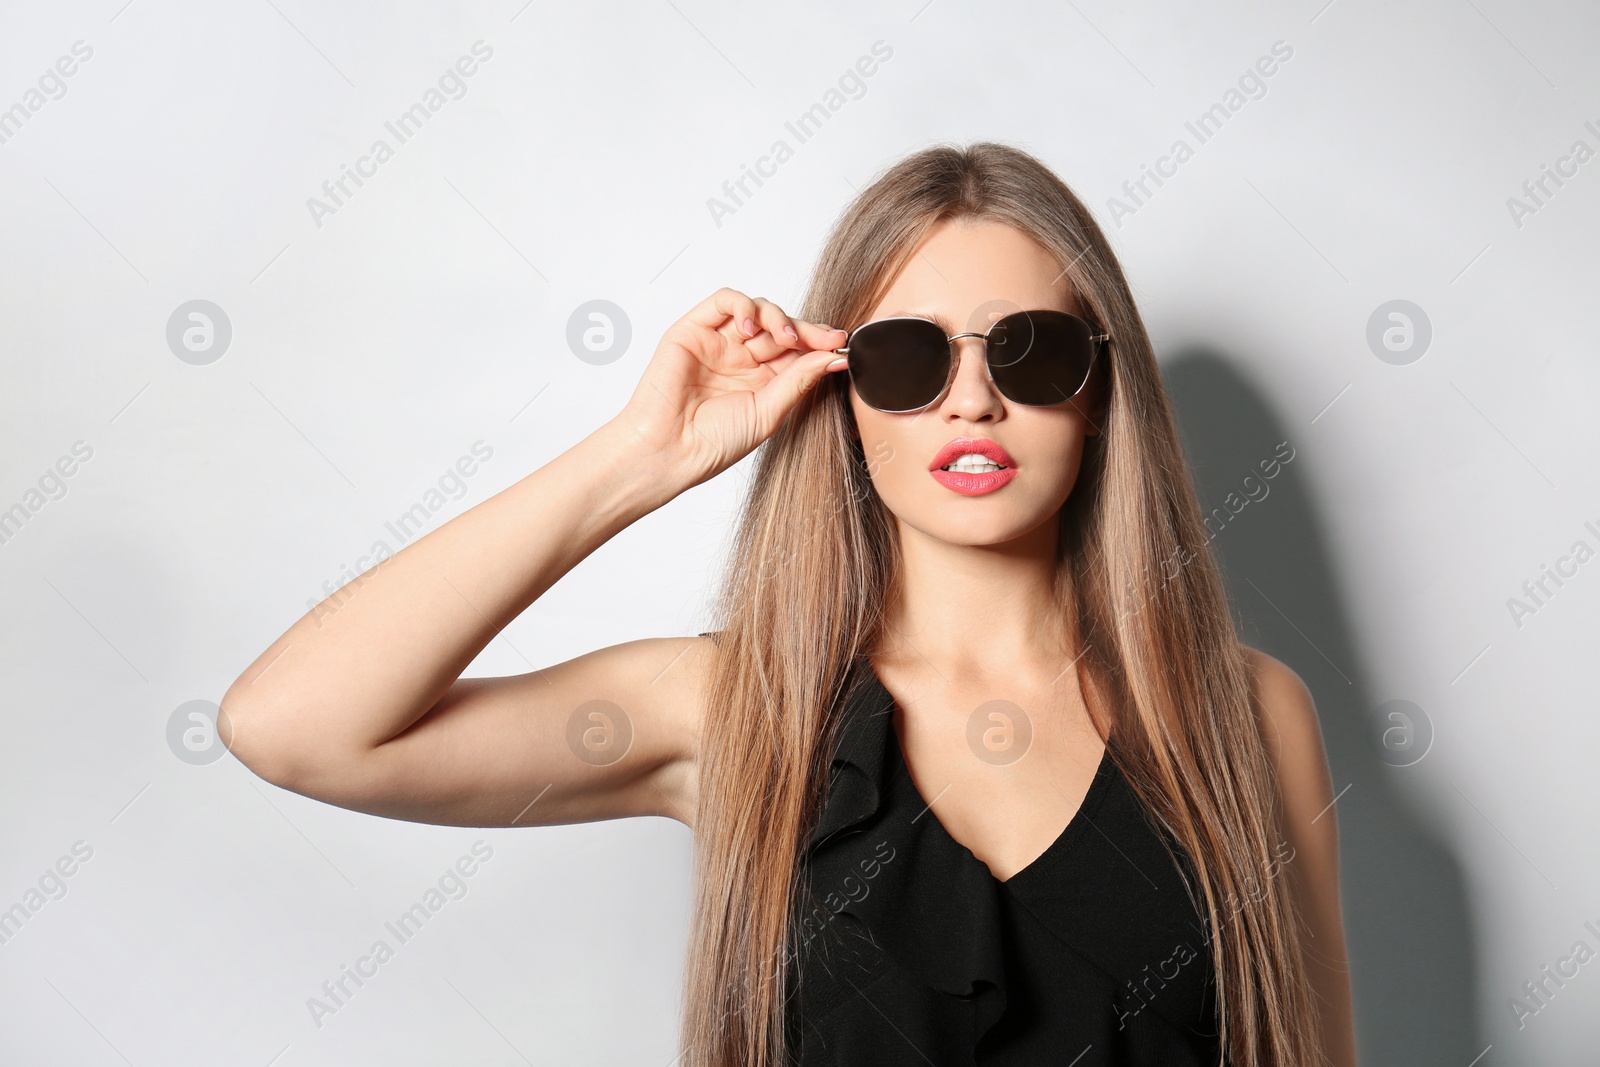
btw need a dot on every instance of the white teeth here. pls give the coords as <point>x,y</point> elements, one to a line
<point>973,463</point>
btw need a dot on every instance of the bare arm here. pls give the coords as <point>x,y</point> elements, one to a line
<point>361,704</point>
<point>1294,738</point>
<point>358,704</point>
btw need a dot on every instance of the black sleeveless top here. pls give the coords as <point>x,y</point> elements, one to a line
<point>909,951</point>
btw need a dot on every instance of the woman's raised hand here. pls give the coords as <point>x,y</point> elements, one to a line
<point>368,710</point>
<point>723,379</point>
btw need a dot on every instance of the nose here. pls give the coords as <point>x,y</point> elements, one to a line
<point>971,396</point>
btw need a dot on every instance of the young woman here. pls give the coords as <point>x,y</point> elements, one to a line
<point>977,768</point>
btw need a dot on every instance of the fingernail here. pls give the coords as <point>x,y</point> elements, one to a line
<point>749,327</point>
<point>790,331</point>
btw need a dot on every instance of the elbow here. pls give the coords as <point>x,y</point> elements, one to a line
<point>286,748</point>
<point>260,742</point>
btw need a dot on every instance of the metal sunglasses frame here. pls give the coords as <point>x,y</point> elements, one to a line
<point>1098,340</point>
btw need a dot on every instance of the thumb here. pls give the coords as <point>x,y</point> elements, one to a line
<point>778,397</point>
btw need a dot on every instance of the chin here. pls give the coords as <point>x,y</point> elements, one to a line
<point>976,528</point>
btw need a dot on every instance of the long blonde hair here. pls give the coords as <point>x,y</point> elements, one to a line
<point>814,555</point>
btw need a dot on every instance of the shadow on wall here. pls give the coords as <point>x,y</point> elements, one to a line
<point>1411,940</point>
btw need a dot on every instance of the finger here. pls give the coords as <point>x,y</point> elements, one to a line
<point>779,333</point>
<point>725,307</point>
<point>777,323</point>
<point>765,347</point>
<point>814,336</point>
<point>774,336</point>
<point>792,334</point>
<point>778,397</point>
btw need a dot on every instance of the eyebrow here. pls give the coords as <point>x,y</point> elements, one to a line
<point>933,316</point>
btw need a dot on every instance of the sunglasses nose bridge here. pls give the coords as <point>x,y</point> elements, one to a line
<point>980,353</point>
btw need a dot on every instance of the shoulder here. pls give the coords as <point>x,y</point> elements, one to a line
<point>1290,726</point>
<point>1283,705</point>
<point>1310,829</point>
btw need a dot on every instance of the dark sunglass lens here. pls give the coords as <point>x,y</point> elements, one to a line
<point>899,364</point>
<point>1040,357</point>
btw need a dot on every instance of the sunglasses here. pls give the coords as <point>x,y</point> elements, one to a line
<point>1035,358</point>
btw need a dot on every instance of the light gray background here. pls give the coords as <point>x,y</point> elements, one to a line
<point>431,312</point>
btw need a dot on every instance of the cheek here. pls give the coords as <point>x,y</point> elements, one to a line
<point>878,455</point>
<point>1067,468</point>
<point>888,451</point>
<point>1071,446</point>
<point>890,462</point>
<point>1056,462</point>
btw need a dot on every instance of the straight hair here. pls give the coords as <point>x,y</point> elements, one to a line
<point>815,555</point>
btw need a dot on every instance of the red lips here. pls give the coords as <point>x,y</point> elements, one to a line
<point>973,484</point>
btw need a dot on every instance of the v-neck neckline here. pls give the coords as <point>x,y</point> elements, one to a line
<point>1074,828</point>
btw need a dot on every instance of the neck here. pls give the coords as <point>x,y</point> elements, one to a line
<point>977,610</point>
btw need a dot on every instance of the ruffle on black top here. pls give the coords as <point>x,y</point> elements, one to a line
<point>912,952</point>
